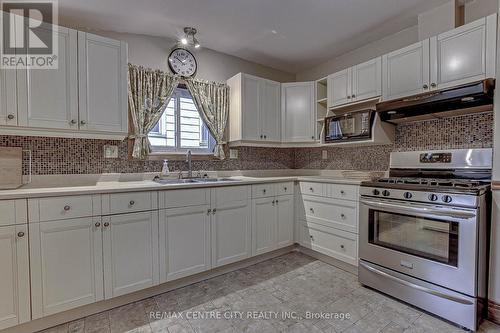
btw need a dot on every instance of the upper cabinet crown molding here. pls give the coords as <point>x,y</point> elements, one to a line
<point>459,56</point>
<point>86,96</point>
<point>355,84</point>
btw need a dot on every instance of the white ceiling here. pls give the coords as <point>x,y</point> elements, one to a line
<point>291,35</point>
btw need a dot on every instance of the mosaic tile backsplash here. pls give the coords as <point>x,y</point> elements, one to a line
<point>84,156</point>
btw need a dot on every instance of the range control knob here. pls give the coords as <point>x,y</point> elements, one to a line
<point>407,195</point>
<point>375,192</point>
<point>386,193</point>
<point>446,198</point>
<point>433,197</point>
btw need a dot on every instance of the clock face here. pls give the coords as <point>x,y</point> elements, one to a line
<point>182,62</point>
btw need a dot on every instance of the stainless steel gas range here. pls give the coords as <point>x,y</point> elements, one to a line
<point>423,234</point>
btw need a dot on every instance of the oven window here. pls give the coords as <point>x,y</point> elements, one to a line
<point>432,239</point>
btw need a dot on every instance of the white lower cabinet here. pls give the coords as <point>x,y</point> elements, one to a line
<point>14,275</point>
<point>231,233</point>
<point>184,242</point>
<point>130,247</point>
<point>66,265</point>
<point>272,223</point>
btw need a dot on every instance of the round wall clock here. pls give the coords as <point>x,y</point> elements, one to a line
<point>182,62</point>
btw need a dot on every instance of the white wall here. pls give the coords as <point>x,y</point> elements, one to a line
<point>153,52</point>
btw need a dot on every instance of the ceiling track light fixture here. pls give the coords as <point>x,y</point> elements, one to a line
<point>189,39</point>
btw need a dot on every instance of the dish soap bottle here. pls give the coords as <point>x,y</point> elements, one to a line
<point>165,171</point>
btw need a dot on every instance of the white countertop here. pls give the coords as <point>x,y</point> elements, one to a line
<point>79,185</point>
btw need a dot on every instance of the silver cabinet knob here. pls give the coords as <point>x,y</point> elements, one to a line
<point>342,216</point>
<point>425,86</point>
<point>106,224</point>
<point>285,188</point>
<point>209,211</point>
<point>311,210</point>
<point>311,189</point>
<point>10,116</point>
<point>342,246</point>
<point>132,202</point>
<point>97,224</point>
<point>20,234</point>
<point>342,192</point>
<point>264,191</point>
<point>348,97</point>
<point>433,85</point>
<point>72,122</point>
<point>214,211</point>
<point>312,137</point>
<point>274,202</point>
<point>353,96</point>
<point>66,208</point>
<point>312,238</point>
<point>265,136</point>
<point>83,122</point>
<point>277,201</point>
<point>261,136</point>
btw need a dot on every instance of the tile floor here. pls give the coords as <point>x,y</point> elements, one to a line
<point>292,283</point>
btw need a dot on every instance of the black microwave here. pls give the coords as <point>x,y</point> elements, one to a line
<point>350,126</point>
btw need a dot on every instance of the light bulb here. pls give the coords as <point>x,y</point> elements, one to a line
<point>184,41</point>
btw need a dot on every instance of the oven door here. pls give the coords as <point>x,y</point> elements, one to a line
<point>430,242</point>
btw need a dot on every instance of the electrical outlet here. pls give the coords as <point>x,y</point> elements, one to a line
<point>324,154</point>
<point>110,151</point>
<point>233,154</point>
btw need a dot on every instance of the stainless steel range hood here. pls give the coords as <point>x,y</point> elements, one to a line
<point>464,99</point>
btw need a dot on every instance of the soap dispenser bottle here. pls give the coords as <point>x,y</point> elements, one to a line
<point>165,171</point>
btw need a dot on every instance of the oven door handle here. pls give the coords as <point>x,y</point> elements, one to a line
<point>416,286</point>
<point>460,214</point>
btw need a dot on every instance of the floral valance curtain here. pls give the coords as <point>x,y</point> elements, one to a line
<point>212,101</point>
<point>149,93</point>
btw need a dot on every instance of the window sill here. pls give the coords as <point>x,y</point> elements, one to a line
<point>179,156</point>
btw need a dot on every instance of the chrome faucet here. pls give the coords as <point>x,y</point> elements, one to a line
<point>190,164</point>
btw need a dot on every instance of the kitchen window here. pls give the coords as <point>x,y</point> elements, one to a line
<point>181,127</point>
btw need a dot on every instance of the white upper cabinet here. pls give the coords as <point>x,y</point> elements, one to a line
<point>297,112</point>
<point>339,88</point>
<point>406,71</point>
<point>354,84</point>
<point>48,98</point>
<point>367,80</point>
<point>130,247</point>
<point>270,110</point>
<point>459,56</point>
<point>465,54</point>
<point>254,109</point>
<point>102,69</point>
<point>66,265</point>
<point>14,276</point>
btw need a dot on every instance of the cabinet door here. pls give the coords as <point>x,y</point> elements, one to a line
<point>464,54</point>
<point>102,69</point>
<point>251,108</point>
<point>14,276</point>
<point>8,100</point>
<point>264,225</point>
<point>184,242</point>
<point>231,233</point>
<point>285,208</point>
<point>130,245</point>
<point>270,110</point>
<point>405,72</point>
<point>367,80</point>
<point>66,265</point>
<point>339,88</point>
<point>297,112</point>
<point>48,98</point>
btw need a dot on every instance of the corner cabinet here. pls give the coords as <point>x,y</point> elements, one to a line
<point>297,112</point>
<point>85,96</point>
<point>355,84</point>
<point>254,109</point>
<point>459,56</point>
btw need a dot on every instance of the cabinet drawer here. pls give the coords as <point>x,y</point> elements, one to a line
<point>332,213</point>
<point>311,188</point>
<point>335,243</point>
<point>13,212</point>
<point>340,191</point>
<point>263,190</point>
<point>184,198</point>
<point>284,188</point>
<point>223,195</point>
<point>129,202</point>
<point>59,208</point>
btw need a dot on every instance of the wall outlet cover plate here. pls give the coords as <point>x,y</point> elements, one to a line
<point>233,153</point>
<point>110,151</point>
<point>324,154</point>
